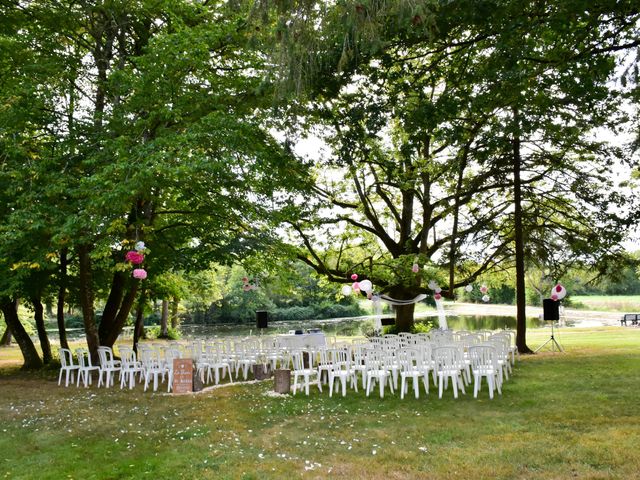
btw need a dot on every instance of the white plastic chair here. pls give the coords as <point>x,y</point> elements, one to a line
<point>448,365</point>
<point>152,366</point>
<point>85,367</point>
<point>67,366</point>
<point>169,355</point>
<point>108,366</point>
<point>342,370</point>
<point>129,367</point>
<point>377,371</point>
<point>299,370</point>
<point>410,367</point>
<point>484,363</point>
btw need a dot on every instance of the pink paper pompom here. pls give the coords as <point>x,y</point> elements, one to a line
<point>140,273</point>
<point>354,276</point>
<point>554,297</point>
<point>134,257</point>
<point>437,296</point>
<point>356,286</point>
<point>558,288</point>
<point>415,268</point>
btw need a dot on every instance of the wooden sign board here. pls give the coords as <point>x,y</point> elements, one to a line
<point>182,375</point>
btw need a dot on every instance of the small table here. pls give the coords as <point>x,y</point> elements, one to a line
<point>305,340</point>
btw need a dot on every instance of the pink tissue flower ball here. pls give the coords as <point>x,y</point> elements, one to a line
<point>140,273</point>
<point>134,257</point>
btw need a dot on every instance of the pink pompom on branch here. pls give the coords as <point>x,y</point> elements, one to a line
<point>356,286</point>
<point>134,257</point>
<point>140,273</point>
<point>415,268</point>
<point>354,276</point>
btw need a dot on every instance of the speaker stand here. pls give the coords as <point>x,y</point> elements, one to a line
<point>552,341</point>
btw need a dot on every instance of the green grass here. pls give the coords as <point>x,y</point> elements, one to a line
<point>572,415</point>
<point>608,303</point>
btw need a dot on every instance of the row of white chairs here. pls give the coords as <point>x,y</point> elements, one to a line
<point>381,360</point>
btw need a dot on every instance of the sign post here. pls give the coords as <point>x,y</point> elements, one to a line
<point>182,375</point>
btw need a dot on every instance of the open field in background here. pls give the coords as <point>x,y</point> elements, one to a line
<point>616,303</point>
<point>572,415</point>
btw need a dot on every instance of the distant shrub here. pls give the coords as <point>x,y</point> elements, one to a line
<point>154,332</point>
<point>367,328</point>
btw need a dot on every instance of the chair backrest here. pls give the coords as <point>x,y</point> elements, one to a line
<point>105,354</point>
<point>408,359</point>
<point>127,356</point>
<point>84,359</point>
<point>66,358</point>
<point>483,356</point>
<point>446,357</point>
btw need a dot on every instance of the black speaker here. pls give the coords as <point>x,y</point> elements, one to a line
<point>262,319</point>
<point>387,321</point>
<point>551,310</point>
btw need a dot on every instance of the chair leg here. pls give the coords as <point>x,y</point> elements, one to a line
<point>416,385</point>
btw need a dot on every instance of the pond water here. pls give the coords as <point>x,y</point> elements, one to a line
<point>351,326</point>
<point>334,326</point>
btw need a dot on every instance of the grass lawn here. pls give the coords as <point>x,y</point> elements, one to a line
<point>573,415</point>
<point>609,303</point>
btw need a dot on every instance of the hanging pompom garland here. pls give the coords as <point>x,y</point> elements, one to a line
<point>558,292</point>
<point>136,257</point>
<point>139,273</point>
<point>366,286</point>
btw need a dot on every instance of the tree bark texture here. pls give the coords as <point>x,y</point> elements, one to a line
<point>86,301</point>
<point>111,334</point>
<point>404,317</point>
<point>32,360</point>
<point>38,316</point>
<point>5,341</point>
<point>164,319</point>
<point>62,294</point>
<point>521,317</point>
<point>174,313</point>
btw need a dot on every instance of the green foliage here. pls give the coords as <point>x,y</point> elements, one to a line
<point>153,333</point>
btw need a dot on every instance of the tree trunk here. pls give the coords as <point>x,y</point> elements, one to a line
<point>49,308</point>
<point>86,301</point>
<point>62,293</point>
<point>112,334</point>
<point>38,316</point>
<point>521,316</point>
<point>404,317</point>
<point>5,341</point>
<point>29,353</point>
<point>164,319</point>
<point>138,329</point>
<point>174,313</point>
<point>112,307</point>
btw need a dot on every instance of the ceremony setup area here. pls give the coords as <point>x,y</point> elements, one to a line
<point>449,358</point>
